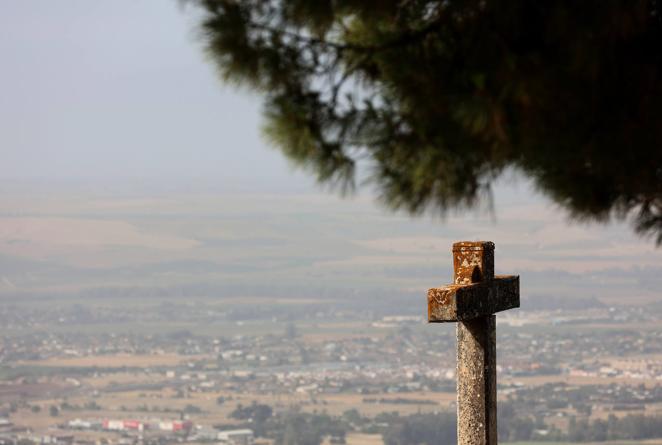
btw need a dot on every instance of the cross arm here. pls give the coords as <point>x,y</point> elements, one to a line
<point>459,302</point>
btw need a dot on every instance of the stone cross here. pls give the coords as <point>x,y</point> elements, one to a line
<point>471,301</point>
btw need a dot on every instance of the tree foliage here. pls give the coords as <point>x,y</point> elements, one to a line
<point>437,98</point>
<point>425,429</point>
<point>305,429</point>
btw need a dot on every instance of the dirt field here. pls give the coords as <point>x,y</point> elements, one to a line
<point>121,378</point>
<point>166,404</point>
<point>576,380</point>
<point>116,361</point>
<point>364,439</point>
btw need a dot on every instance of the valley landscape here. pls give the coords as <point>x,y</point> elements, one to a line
<point>126,318</point>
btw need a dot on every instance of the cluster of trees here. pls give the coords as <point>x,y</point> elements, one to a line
<point>513,427</point>
<point>89,406</point>
<point>441,428</point>
<point>556,396</point>
<point>297,428</point>
<point>256,415</point>
<point>291,428</point>
<point>614,428</point>
<point>421,429</point>
<point>309,429</point>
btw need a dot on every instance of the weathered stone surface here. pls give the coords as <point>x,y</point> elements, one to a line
<point>457,302</point>
<point>473,261</point>
<point>472,300</point>
<point>476,382</point>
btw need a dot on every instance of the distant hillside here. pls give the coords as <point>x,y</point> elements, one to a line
<point>551,302</point>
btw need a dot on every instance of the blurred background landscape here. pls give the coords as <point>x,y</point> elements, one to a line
<point>166,277</point>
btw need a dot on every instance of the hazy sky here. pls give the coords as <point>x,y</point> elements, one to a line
<point>111,89</point>
<point>120,92</point>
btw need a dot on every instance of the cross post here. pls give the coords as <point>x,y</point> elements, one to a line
<point>471,301</point>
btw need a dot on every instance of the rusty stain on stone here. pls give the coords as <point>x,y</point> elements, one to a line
<point>457,302</point>
<point>473,261</point>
